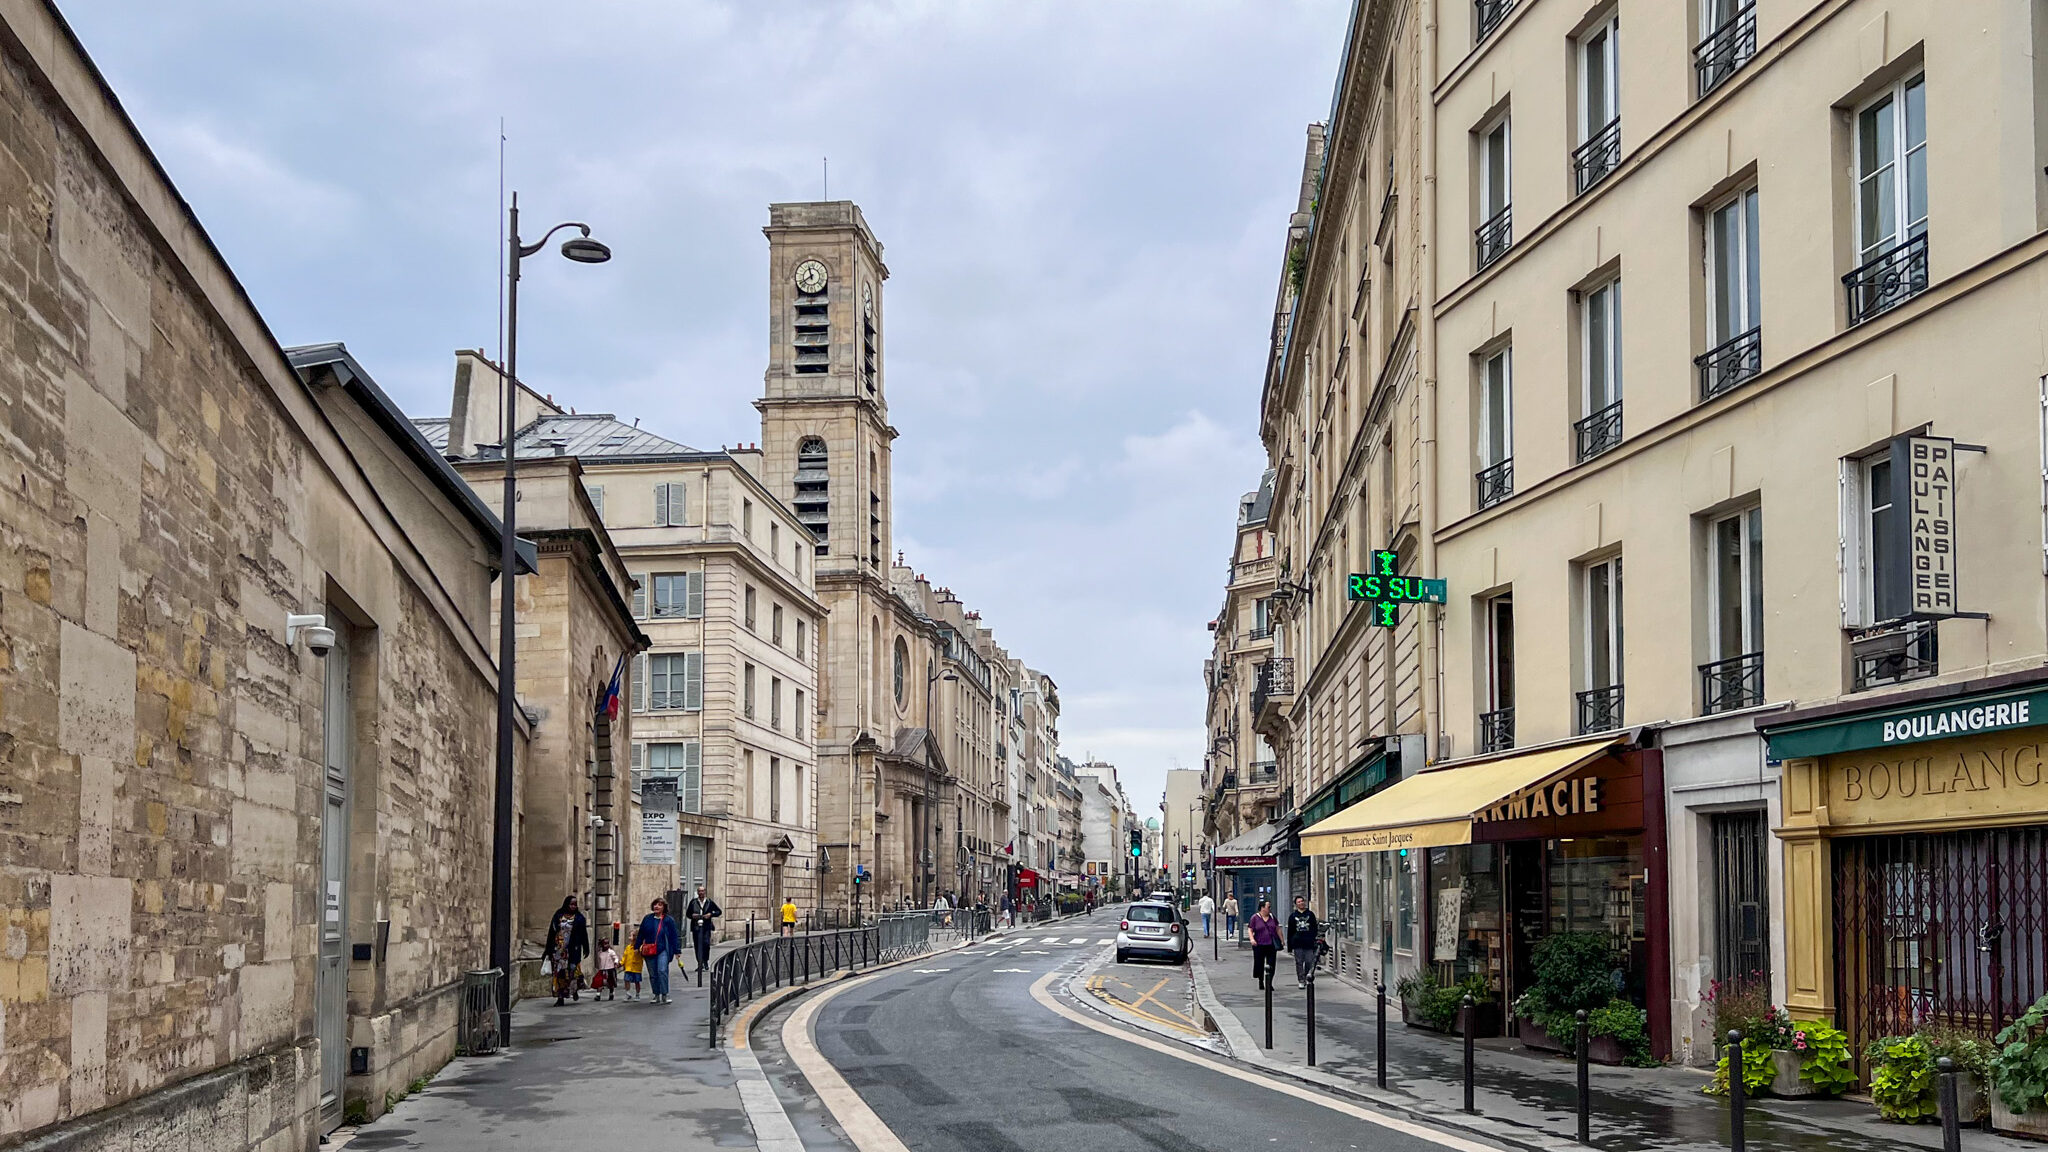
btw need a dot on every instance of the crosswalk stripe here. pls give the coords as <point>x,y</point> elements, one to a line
<point>1078,940</point>
<point>1050,940</point>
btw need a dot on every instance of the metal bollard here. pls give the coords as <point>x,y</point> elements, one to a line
<point>1469,1109</point>
<point>1951,1120</point>
<point>1311,1019</point>
<point>1737,1142</point>
<point>1383,1034</point>
<point>1269,1012</point>
<point>1585,1084</point>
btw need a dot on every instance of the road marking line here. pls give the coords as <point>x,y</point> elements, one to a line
<point>1105,941</point>
<point>1078,940</point>
<point>1420,1132</point>
<point>1001,970</point>
<point>929,971</point>
<point>1050,940</point>
<point>1034,952</point>
<point>855,1118</point>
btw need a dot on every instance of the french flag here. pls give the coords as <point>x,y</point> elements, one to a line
<point>608,704</point>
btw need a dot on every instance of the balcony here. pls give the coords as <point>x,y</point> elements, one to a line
<point>1730,363</point>
<point>1496,483</point>
<point>1893,654</point>
<point>1597,157</point>
<point>1599,709</point>
<point>1492,239</point>
<point>1260,632</point>
<point>1725,50</point>
<point>1599,432</point>
<point>1497,730</point>
<point>1732,684</point>
<point>1272,681</point>
<point>1888,281</point>
<point>1487,15</point>
<point>1261,772</point>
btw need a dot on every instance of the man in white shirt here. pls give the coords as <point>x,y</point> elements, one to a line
<point>1208,907</point>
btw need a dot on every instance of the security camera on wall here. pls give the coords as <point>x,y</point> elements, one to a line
<point>319,637</point>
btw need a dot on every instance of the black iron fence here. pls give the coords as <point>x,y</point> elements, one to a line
<point>1888,281</point>
<point>752,970</point>
<point>1598,156</point>
<point>1725,50</point>
<point>1730,363</point>
<point>1599,432</point>
<point>1737,682</point>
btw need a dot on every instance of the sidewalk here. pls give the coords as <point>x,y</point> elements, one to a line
<point>1524,1097</point>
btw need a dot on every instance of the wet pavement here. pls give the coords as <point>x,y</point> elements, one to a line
<point>1520,1091</point>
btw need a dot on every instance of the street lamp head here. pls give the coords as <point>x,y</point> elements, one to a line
<point>584,250</point>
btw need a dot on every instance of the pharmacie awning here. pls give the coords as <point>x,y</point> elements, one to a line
<point>1247,849</point>
<point>1438,807</point>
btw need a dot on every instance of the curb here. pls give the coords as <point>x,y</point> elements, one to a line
<point>1243,1048</point>
<point>1208,1046</point>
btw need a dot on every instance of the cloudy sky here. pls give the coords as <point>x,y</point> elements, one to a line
<point>1082,203</point>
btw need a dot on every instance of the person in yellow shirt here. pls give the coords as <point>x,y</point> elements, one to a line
<point>788,916</point>
<point>633,963</point>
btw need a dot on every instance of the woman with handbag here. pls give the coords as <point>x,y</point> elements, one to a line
<point>568,942</point>
<point>659,940</point>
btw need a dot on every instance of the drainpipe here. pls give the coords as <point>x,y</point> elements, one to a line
<point>1432,662</point>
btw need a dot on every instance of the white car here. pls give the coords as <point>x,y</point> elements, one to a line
<point>1152,928</point>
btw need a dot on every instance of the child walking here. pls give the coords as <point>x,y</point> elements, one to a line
<point>608,970</point>
<point>633,964</point>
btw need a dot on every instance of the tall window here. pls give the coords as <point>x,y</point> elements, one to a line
<point>678,594</point>
<point>1600,369</point>
<point>774,538</point>
<point>775,702</point>
<point>747,607</point>
<point>674,682</point>
<point>803,651</point>
<point>1497,725</point>
<point>1496,440</point>
<point>747,692</point>
<point>775,789</point>
<point>1599,149</point>
<point>1495,231</point>
<point>1733,676</point>
<point>747,792</point>
<point>1734,308</point>
<point>775,625</point>
<point>747,519</point>
<point>1891,201</point>
<point>1881,534</point>
<point>671,505</point>
<point>596,494</point>
<point>803,721</point>
<point>682,760</point>
<point>1600,702</point>
<point>812,498</point>
<point>1727,40</point>
<point>901,662</point>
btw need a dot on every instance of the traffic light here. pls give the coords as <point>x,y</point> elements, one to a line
<point>1137,843</point>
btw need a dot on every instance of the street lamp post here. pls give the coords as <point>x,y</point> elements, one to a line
<point>583,250</point>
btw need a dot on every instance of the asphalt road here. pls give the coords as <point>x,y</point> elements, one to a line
<point>955,1055</point>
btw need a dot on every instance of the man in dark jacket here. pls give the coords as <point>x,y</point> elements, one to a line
<point>702,914</point>
<point>1304,933</point>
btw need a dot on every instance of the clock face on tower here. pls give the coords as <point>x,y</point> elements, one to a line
<point>867,301</point>
<point>810,277</point>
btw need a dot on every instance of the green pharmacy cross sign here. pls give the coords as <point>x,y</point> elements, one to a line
<point>1386,591</point>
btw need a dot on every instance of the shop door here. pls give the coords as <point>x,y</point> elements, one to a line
<point>1947,929</point>
<point>1526,912</point>
<point>330,984</point>
<point>1742,946</point>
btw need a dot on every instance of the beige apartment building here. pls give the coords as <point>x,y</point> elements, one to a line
<point>722,699</point>
<point>1800,740</point>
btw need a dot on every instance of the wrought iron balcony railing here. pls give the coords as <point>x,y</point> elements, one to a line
<point>1725,50</point>
<point>1496,483</point>
<point>1893,654</point>
<point>1274,677</point>
<point>1731,684</point>
<point>1730,363</point>
<point>1487,15</point>
<point>1600,709</point>
<point>1492,239</point>
<point>1888,281</point>
<point>1497,730</point>
<point>1262,772</point>
<point>1598,156</point>
<point>1599,432</point>
<point>1260,632</point>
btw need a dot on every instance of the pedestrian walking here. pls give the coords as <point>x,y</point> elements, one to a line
<point>703,913</point>
<point>607,971</point>
<point>1208,907</point>
<point>1009,910</point>
<point>660,939</point>
<point>789,916</point>
<point>1230,916</point>
<point>631,962</point>
<point>567,944</point>
<point>1304,933</point>
<point>1265,944</point>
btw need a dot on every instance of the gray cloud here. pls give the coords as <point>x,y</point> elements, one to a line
<point>1082,203</point>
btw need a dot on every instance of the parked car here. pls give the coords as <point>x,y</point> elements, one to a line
<point>1152,928</point>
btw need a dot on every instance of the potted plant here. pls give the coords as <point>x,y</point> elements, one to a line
<point>1427,1002</point>
<point>1813,1061</point>
<point>1972,1058</point>
<point>2019,1071</point>
<point>1903,1083</point>
<point>1574,971</point>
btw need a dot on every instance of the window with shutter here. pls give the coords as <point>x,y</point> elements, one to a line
<point>639,764</point>
<point>596,494</point>
<point>661,504</point>
<point>691,792</point>
<point>695,610</point>
<point>640,663</point>
<point>640,600</point>
<point>693,681</point>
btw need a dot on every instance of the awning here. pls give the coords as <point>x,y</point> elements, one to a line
<point>1436,808</point>
<point>1247,849</point>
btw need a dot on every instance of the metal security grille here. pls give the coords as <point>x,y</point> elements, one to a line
<point>1948,929</point>
<point>1742,906</point>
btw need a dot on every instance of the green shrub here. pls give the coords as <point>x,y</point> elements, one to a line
<point>1574,970</point>
<point>1438,1003</point>
<point>1823,1055</point>
<point>2019,1068</point>
<point>1626,1024</point>
<point>1903,1083</point>
<point>1758,1070</point>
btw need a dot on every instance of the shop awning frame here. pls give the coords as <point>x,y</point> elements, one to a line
<point>1436,808</point>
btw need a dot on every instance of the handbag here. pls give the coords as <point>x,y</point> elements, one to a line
<point>648,949</point>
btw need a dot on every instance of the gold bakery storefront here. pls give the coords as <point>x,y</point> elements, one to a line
<point>1916,858</point>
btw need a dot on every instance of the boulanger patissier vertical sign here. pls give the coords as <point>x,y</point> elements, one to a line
<point>1930,500</point>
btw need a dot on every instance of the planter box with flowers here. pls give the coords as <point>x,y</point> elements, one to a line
<point>1788,1058</point>
<point>2019,1071</point>
<point>1905,1082</point>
